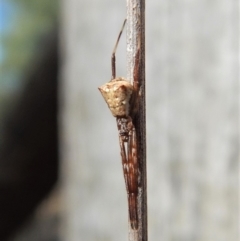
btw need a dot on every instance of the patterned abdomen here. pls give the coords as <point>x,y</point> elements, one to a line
<point>117,94</point>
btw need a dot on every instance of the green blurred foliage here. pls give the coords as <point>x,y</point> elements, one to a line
<point>31,20</point>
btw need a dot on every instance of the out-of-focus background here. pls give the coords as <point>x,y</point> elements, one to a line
<point>60,168</point>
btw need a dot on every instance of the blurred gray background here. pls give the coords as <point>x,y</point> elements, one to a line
<point>192,121</point>
<point>192,89</point>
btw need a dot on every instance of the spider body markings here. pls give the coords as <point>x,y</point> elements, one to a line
<point>122,99</point>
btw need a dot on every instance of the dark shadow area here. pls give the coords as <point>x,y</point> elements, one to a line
<point>29,150</point>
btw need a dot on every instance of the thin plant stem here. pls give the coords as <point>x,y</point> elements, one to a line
<point>136,26</point>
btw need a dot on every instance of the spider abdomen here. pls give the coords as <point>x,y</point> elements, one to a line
<point>117,94</point>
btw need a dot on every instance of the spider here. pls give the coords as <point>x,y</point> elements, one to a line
<point>122,99</point>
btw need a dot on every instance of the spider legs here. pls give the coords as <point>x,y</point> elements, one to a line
<point>113,61</point>
<point>127,139</point>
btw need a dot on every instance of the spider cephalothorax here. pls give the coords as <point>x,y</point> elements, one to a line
<point>122,99</point>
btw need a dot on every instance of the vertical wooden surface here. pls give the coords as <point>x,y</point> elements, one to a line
<point>192,116</point>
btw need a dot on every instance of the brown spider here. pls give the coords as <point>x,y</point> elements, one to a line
<point>122,99</point>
